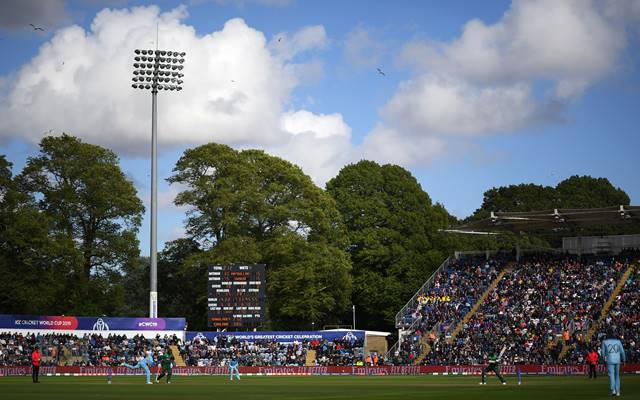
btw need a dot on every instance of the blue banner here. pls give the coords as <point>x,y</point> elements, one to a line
<point>98,324</point>
<point>282,336</point>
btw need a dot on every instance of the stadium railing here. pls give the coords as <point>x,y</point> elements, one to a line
<point>412,303</point>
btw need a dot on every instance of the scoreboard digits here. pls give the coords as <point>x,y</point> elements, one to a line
<point>236,296</point>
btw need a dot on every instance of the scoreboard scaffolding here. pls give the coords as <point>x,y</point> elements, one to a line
<point>236,296</point>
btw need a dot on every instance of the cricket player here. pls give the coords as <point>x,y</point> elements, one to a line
<point>613,354</point>
<point>494,365</point>
<point>144,363</point>
<point>233,368</point>
<point>166,362</point>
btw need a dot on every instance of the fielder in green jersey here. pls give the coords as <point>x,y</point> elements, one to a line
<point>166,362</point>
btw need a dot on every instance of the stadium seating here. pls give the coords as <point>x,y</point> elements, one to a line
<point>204,352</point>
<point>444,304</point>
<point>539,312</point>
<point>92,350</point>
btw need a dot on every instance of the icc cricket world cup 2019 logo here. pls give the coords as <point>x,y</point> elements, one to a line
<point>350,337</point>
<point>100,325</point>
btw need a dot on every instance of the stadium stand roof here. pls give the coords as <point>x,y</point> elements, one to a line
<point>550,220</point>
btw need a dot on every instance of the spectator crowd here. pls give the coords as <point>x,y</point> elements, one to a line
<point>541,311</point>
<point>86,350</point>
<point>95,349</point>
<point>448,299</point>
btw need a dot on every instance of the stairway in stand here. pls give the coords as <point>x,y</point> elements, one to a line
<point>467,317</point>
<point>612,298</point>
<point>424,342</point>
<point>481,300</point>
<point>603,313</point>
<point>176,354</point>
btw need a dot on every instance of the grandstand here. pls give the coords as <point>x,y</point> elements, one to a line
<point>544,307</point>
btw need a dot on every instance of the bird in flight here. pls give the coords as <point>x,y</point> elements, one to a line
<point>381,72</point>
<point>279,39</point>
<point>36,28</point>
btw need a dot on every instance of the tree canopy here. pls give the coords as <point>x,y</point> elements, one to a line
<point>248,206</point>
<point>573,192</point>
<point>83,207</point>
<point>69,224</point>
<point>392,228</point>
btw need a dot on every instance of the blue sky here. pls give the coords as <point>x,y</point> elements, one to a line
<point>475,94</point>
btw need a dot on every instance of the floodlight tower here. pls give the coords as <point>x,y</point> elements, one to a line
<point>156,70</point>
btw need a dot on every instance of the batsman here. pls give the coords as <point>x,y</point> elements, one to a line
<point>493,366</point>
<point>166,363</point>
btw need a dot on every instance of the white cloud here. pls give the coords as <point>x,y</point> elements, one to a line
<point>321,144</point>
<point>307,39</point>
<point>244,3</point>
<point>178,231</point>
<point>570,42</point>
<point>361,49</point>
<point>167,197</point>
<point>235,87</point>
<point>17,15</point>
<point>491,79</point>
<point>387,145</point>
<point>432,105</point>
<point>238,85</point>
<point>320,125</point>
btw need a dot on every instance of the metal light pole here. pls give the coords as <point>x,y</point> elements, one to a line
<point>156,70</point>
<point>353,308</point>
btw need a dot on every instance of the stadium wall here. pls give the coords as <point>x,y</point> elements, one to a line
<point>320,370</point>
<point>600,244</point>
<point>46,324</point>
<point>80,333</point>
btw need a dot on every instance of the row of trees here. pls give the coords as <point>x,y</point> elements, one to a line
<point>70,218</point>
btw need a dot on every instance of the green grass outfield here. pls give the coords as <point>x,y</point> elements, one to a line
<point>316,387</point>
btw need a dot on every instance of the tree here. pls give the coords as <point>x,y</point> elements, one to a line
<point>179,290</point>
<point>392,227</point>
<point>92,205</point>
<point>587,192</point>
<point>312,284</point>
<point>574,192</point>
<point>514,198</point>
<point>248,206</point>
<point>34,265</point>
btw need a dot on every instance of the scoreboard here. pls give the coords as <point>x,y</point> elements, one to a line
<point>236,296</point>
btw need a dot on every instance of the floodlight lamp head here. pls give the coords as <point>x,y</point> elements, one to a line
<point>137,51</point>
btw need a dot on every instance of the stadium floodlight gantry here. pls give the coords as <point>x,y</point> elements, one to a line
<point>156,70</point>
<point>556,220</point>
